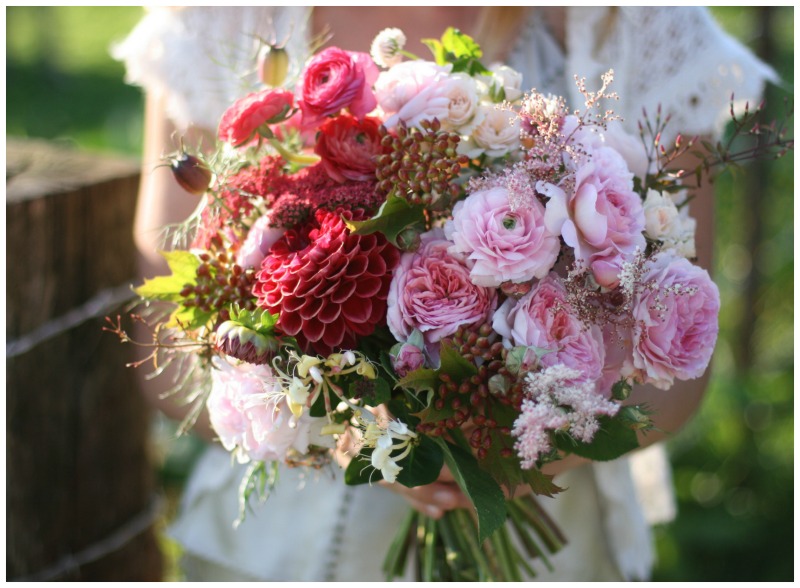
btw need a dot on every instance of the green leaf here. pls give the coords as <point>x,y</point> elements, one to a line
<point>183,265</point>
<point>360,471</point>
<point>437,49</point>
<point>540,483</point>
<point>423,465</point>
<point>613,440</point>
<point>453,363</point>
<point>394,216</point>
<point>486,496</point>
<point>421,380</point>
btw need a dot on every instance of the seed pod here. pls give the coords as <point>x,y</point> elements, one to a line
<point>273,65</point>
<point>192,174</point>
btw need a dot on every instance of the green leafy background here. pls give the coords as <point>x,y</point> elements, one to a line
<point>733,464</point>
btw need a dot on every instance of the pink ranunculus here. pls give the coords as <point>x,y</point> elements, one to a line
<point>413,91</point>
<point>348,147</point>
<point>543,318</point>
<point>601,218</point>
<point>431,291</point>
<point>240,122</point>
<point>250,415</point>
<point>335,79</point>
<point>257,243</point>
<point>502,245</point>
<point>676,309</point>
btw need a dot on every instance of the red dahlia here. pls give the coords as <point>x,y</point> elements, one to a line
<point>328,286</point>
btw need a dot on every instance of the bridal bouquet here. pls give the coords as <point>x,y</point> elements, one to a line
<point>423,265</point>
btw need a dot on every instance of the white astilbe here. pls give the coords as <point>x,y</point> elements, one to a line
<point>557,400</point>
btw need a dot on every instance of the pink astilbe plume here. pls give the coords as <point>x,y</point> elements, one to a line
<point>556,400</point>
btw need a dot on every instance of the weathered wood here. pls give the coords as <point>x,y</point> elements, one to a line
<point>77,466</point>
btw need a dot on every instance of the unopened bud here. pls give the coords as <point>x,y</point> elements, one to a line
<point>273,65</point>
<point>192,174</point>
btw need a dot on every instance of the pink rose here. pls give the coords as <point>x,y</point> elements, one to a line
<point>348,147</point>
<point>241,121</point>
<point>676,309</point>
<point>250,415</point>
<point>413,91</point>
<point>431,291</point>
<point>335,79</point>
<point>257,243</point>
<point>500,244</point>
<point>543,318</point>
<point>630,147</point>
<point>407,358</point>
<point>601,218</point>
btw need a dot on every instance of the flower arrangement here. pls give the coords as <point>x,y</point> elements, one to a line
<point>422,259</point>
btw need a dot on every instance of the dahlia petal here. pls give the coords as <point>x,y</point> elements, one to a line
<point>344,290</point>
<point>368,287</point>
<point>329,312</point>
<point>334,332</point>
<point>310,309</point>
<point>313,330</point>
<point>290,303</point>
<point>377,265</point>
<point>356,309</point>
<point>290,323</point>
<point>357,266</point>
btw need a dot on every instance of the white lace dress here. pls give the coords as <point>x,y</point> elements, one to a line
<point>314,527</point>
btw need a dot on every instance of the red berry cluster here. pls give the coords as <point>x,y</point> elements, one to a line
<point>220,283</point>
<point>420,164</point>
<point>472,399</point>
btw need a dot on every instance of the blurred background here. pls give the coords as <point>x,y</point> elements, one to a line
<point>734,463</point>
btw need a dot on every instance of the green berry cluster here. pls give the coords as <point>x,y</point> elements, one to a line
<point>220,284</point>
<point>420,164</point>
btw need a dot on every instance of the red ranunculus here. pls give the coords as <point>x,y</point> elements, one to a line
<point>335,79</point>
<point>348,147</point>
<point>328,286</point>
<point>240,122</point>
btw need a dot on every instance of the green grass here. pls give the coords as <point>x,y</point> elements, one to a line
<point>733,464</point>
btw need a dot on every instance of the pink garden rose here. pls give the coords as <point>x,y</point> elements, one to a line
<point>543,318</point>
<point>676,309</point>
<point>502,245</point>
<point>601,218</point>
<point>250,415</point>
<point>335,79</point>
<point>431,291</point>
<point>413,91</point>
<point>240,122</point>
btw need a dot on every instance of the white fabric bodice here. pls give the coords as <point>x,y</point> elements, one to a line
<point>201,59</point>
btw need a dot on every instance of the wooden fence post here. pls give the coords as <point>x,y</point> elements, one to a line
<point>79,484</point>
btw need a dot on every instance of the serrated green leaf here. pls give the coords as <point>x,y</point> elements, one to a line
<point>189,318</point>
<point>183,265</point>
<point>394,216</point>
<point>453,363</point>
<point>423,465</point>
<point>421,380</point>
<point>540,483</point>
<point>613,440</point>
<point>484,493</point>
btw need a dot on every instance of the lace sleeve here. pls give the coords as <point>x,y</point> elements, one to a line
<point>203,58</point>
<point>677,57</point>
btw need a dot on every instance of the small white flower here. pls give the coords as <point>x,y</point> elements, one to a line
<point>386,47</point>
<point>395,436</point>
<point>665,223</point>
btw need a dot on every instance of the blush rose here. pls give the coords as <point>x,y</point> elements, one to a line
<point>543,318</point>
<point>431,291</point>
<point>676,312</point>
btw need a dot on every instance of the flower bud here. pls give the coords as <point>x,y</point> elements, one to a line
<point>406,358</point>
<point>241,342</point>
<point>192,174</point>
<point>273,65</point>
